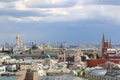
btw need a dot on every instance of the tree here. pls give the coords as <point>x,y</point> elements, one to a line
<point>30,51</point>
<point>43,52</point>
<point>90,55</point>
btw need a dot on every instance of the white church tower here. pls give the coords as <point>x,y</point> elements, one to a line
<point>18,41</point>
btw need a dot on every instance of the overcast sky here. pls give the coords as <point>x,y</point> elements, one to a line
<point>73,21</point>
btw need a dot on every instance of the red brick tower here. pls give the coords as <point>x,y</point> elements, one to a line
<point>105,46</point>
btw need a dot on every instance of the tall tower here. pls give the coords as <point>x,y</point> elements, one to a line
<point>110,44</point>
<point>105,45</point>
<point>17,40</point>
<point>61,54</point>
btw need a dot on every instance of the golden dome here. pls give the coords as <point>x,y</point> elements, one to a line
<point>17,36</point>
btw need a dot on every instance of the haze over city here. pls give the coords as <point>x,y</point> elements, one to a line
<point>72,21</point>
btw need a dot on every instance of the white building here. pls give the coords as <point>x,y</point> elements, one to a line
<point>19,48</point>
<point>11,67</point>
<point>4,57</point>
<point>2,69</point>
<point>40,70</point>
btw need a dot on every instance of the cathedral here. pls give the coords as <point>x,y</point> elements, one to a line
<point>108,53</point>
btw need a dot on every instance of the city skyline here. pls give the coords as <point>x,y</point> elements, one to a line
<point>72,21</point>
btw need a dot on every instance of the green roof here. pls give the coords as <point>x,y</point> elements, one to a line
<point>47,56</point>
<point>78,70</point>
<point>103,39</point>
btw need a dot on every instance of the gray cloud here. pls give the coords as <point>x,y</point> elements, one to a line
<point>110,2</point>
<point>20,13</point>
<point>59,10</point>
<point>44,4</point>
<point>39,3</point>
<point>103,2</point>
<point>8,0</point>
<point>54,3</point>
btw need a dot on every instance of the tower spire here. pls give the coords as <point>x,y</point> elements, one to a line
<point>110,43</point>
<point>103,39</point>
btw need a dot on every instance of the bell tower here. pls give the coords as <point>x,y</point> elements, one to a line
<point>18,41</point>
<point>61,54</point>
<point>105,46</point>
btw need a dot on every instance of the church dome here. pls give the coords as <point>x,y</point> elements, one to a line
<point>17,36</point>
<point>47,56</point>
